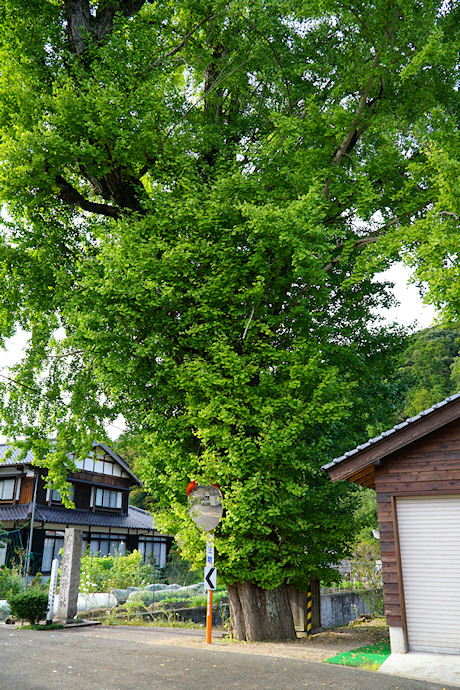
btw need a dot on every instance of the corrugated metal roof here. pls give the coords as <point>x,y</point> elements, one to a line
<point>135,519</point>
<point>396,428</point>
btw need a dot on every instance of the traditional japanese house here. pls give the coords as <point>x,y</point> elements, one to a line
<point>101,486</point>
<point>415,470</point>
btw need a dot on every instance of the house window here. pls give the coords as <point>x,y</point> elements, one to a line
<point>106,498</point>
<point>108,468</point>
<point>6,489</point>
<point>153,550</point>
<point>106,544</point>
<point>88,464</point>
<point>3,548</point>
<point>55,495</point>
<point>54,542</point>
<point>100,466</point>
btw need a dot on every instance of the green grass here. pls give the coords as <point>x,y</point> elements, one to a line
<point>369,658</point>
<point>158,622</point>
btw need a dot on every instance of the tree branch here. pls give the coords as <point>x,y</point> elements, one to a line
<point>71,196</point>
<point>278,60</point>
<point>363,241</point>
<point>447,213</point>
<point>248,323</point>
<point>360,242</point>
<point>353,132</point>
<point>215,85</point>
<point>18,383</point>
<point>180,45</point>
<point>80,20</point>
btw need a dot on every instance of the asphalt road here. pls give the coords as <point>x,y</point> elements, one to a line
<point>115,659</point>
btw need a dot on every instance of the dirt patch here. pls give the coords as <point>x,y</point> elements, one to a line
<point>322,646</point>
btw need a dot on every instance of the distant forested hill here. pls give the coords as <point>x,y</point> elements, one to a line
<point>431,367</point>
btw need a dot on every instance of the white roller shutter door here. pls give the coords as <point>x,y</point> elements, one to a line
<point>429,540</point>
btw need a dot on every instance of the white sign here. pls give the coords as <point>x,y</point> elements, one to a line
<point>210,577</point>
<point>210,553</point>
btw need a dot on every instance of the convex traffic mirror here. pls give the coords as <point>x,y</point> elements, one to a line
<point>205,501</point>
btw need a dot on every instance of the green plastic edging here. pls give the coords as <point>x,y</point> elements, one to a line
<point>371,656</point>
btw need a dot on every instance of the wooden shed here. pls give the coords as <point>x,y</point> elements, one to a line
<point>415,470</point>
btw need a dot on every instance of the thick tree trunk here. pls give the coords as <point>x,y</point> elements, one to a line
<point>80,20</point>
<point>260,614</point>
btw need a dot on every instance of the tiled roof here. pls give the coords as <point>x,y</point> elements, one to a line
<point>15,455</point>
<point>136,518</point>
<point>17,512</point>
<point>396,428</point>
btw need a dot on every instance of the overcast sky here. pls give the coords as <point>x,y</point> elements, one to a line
<point>411,310</point>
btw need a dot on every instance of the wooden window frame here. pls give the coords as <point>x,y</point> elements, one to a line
<point>13,492</point>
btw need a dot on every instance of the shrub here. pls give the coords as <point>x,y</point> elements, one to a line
<point>374,600</point>
<point>198,600</point>
<point>10,581</point>
<point>104,573</point>
<point>30,605</point>
<point>367,575</point>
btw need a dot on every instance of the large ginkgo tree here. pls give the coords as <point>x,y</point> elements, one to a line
<point>187,187</point>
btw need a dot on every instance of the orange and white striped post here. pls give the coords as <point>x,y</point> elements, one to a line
<point>205,509</point>
<point>209,617</point>
<point>209,581</point>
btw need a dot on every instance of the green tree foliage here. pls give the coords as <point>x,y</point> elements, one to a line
<point>427,239</point>
<point>431,366</point>
<point>127,445</point>
<point>366,516</point>
<point>3,536</point>
<point>187,187</point>
<point>140,498</point>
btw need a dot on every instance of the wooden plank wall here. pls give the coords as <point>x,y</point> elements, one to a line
<point>26,492</point>
<point>430,466</point>
<point>102,479</point>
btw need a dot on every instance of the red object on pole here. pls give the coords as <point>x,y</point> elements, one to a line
<point>209,617</point>
<point>193,485</point>
<point>190,487</point>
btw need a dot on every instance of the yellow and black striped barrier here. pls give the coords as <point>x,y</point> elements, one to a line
<point>309,610</point>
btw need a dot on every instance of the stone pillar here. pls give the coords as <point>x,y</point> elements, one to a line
<point>398,644</point>
<point>70,574</point>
